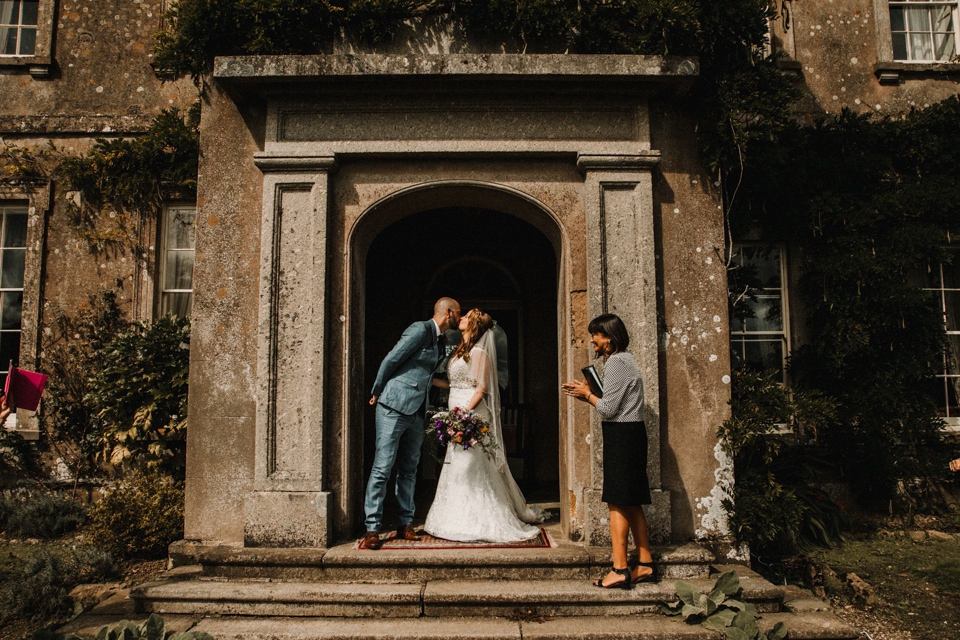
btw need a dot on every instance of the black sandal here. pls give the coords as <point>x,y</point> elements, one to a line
<point>626,583</point>
<point>650,577</point>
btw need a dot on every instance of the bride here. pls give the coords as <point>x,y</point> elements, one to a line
<point>477,498</point>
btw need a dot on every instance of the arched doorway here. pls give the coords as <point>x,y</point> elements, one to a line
<point>495,261</point>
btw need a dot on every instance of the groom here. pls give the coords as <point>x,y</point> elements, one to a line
<point>400,394</point>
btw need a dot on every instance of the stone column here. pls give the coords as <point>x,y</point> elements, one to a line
<point>622,279</point>
<point>288,506</point>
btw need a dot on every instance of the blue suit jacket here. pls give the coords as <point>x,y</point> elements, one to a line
<point>405,376</point>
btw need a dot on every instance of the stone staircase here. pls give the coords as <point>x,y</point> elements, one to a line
<point>349,593</point>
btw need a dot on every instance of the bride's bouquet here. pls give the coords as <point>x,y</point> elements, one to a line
<point>461,428</point>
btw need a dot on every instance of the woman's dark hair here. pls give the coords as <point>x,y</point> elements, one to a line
<point>611,326</point>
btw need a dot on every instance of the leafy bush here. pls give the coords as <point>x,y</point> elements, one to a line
<point>777,506</point>
<point>40,515</point>
<point>73,349</point>
<point>139,517</point>
<point>139,395</point>
<point>40,589</point>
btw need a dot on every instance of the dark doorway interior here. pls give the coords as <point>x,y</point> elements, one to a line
<point>502,265</point>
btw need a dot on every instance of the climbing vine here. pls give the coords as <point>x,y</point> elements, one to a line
<point>873,205</point>
<point>120,181</point>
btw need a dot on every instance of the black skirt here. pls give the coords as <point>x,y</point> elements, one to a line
<point>625,480</point>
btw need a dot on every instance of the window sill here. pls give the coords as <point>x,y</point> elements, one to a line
<point>894,72</point>
<point>36,66</point>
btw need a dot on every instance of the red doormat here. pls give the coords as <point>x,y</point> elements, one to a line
<point>427,541</point>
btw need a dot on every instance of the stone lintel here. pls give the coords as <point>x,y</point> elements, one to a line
<point>618,162</point>
<point>279,163</point>
<point>521,67</point>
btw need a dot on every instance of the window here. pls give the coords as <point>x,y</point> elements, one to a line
<point>13,242</point>
<point>176,269</point>
<point>758,327</point>
<point>18,27</point>
<point>944,281</point>
<point>924,31</point>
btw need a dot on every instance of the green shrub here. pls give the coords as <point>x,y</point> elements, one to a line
<point>153,628</point>
<point>777,505</point>
<point>40,515</point>
<point>40,588</point>
<point>139,517</point>
<point>140,396</point>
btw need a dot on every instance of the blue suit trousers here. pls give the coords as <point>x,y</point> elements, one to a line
<point>399,438</point>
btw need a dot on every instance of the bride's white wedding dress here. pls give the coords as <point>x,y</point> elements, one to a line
<point>477,498</point>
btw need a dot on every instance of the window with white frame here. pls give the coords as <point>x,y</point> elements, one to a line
<point>924,31</point>
<point>758,322</point>
<point>13,243</point>
<point>18,27</point>
<point>176,268</point>
<point>943,279</point>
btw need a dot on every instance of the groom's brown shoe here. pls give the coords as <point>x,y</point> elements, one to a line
<point>406,532</point>
<point>372,541</point>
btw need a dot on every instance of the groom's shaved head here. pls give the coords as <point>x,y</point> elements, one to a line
<point>445,304</point>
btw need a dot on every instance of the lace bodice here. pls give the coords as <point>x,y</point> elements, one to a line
<point>459,373</point>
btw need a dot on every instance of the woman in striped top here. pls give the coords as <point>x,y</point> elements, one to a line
<point>625,484</point>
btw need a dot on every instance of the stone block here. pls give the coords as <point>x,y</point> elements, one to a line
<point>286,519</point>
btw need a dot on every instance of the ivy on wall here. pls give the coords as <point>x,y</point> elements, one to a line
<point>868,205</point>
<point>741,96</point>
<point>123,180</point>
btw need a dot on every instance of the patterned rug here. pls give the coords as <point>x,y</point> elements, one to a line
<point>427,541</point>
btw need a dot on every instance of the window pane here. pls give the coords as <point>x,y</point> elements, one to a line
<point>9,12</point>
<point>10,312</point>
<point>180,229</point>
<point>179,270</point>
<point>767,314</point>
<point>951,273</point>
<point>943,19</point>
<point>28,42</point>
<point>946,46</point>
<point>918,18</point>
<point>15,234</point>
<point>763,355</point>
<point>951,306</point>
<point>8,41</point>
<point>767,264</point>
<point>30,8</point>
<point>179,304</point>
<point>921,46</point>
<point>900,46</point>
<point>12,275</point>
<point>9,348</point>
<point>897,20</point>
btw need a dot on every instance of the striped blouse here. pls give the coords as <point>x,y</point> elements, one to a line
<point>622,399</point>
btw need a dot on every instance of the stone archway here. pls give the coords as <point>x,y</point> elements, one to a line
<point>516,265</point>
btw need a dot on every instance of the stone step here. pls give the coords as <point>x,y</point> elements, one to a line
<point>433,599</point>
<point>346,563</point>
<point>803,626</point>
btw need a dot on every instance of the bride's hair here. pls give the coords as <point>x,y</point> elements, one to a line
<point>478,323</point>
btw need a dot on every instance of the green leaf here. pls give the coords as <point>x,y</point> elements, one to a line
<point>153,628</point>
<point>779,632</point>
<point>719,620</point>
<point>709,606</point>
<point>690,610</point>
<point>728,583</point>
<point>745,621</point>
<point>686,592</point>
<point>671,609</point>
<point>736,634</point>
